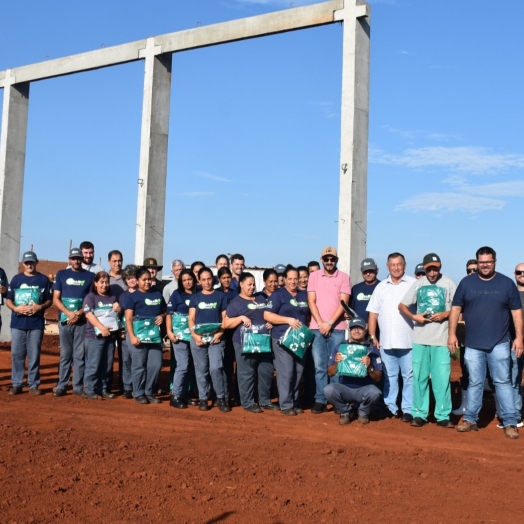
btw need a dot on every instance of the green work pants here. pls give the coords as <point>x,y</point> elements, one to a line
<point>434,361</point>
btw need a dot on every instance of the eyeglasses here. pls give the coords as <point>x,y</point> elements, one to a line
<point>471,270</point>
<point>519,273</point>
<point>329,259</point>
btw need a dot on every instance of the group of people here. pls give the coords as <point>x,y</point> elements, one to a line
<point>226,337</point>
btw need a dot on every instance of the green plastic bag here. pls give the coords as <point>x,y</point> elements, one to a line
<point>207,331</point>
<point>352,365</point>
<point>147,331</point>
<point>431,300</point>
<point>72,304</point>
<point>297,340</point>
<point>255,339</point>
<point>180,327</point>
<point>27,296</point>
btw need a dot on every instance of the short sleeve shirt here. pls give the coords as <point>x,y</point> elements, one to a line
<point>360,297</point>
<point>146,305</point>
<point>283,303</point>
<point>73,284</point>
<point>91,302</point>
<point>252,309</point>
<point>179,302</point>
<point>208,308</point>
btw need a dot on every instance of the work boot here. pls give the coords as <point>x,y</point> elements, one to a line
<point>466,426</point>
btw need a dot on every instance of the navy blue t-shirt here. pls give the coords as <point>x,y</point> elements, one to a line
<point>122,298</point>
<point>360,296</point>
<point>254,310</point>
<point>92,302</point>
<point>283,303</point>
<point>486,309</point>
<point>37,281</point>
<point>179,302</point>
<point>208,308</point>
<point>146,305</point>
<point>231,294</point>
<point>73,284</point>
<point>358,382</point>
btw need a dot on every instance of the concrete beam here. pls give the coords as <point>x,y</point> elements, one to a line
<point>153,154</point>
<point>12,163</point>
<point>352,226</point>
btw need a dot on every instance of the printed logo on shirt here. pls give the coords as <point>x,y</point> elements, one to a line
<point>27,286</point>
<point>101,304</point>
<point>73,282</point>
<point>362,296</point>
<point>254,305</point>
<point>379,361</point>
<point>155,302</point>
<point>296,303</point>
<point>207,305</point>
<point>187,302</point>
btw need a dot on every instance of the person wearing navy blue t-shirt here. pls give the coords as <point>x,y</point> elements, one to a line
<point>361,391</point>
<point>248,310</point>
<point>71,286</point>
<point>146,359</point>
<point>179,303</point>
<point>27,323</point>
<point>209,307</point>
<point>487,300</point>
<point>289,307</point>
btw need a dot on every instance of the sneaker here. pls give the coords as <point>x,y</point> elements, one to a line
<point>418,422</point>
<point>407,417</point>
<point>520,424</point>
<point>223,405</point>
<point>466,426</point>
<point>445,423</point>
<point>318,408</point>
<point>17,390</point>
<point>35,391</point>
<point>511,432</point>
<point>363,419</point>
<point>59,392</point>
<point>345,419</point>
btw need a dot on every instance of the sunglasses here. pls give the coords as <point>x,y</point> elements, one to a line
<point>329,259</point>
<point>469,271</point>
<point>519,273</point>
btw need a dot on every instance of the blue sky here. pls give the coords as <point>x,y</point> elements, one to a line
<point>255,127</point>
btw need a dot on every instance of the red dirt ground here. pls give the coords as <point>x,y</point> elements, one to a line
<point>114,461</point>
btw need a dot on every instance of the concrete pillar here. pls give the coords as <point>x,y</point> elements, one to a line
<point>153,153</point>
<point>352,226</point>
<point>12,164</point>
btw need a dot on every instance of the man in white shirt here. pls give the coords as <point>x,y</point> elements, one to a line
<point>396,335</point>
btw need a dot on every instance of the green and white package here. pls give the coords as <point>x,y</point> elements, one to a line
<point>352,365</point>
<point>431,300</point>
<point>72,304</point>
<point>147,331</point>
<point>255,339</point>
<point>108,317</point>
<point>27,296</point>
<point>180,327</point>
<point>297,340</point>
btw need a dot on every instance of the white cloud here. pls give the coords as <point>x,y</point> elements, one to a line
<point>448,202</point>
<point>212,177</point>
<point>194,193</point>
<point>510,188</point>
<point>475,160</point>
<point>420,133</point>
<point>326,107</point>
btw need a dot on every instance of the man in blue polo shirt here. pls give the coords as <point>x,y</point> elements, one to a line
<point>360,391</point>
<point>29,295</point>
<point>487,300</point>
<point>69,290</point>
<point>361,293</point>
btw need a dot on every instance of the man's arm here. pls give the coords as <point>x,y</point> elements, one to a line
<point>372,328</point>
<point>518,343</point>
<point>452,327</point>
<point>420,319</point>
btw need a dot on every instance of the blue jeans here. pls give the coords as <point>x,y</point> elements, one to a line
<point>26,342</point>
<point>72,354</point>
<point>99,364</point>
<point>498,362</point>
<point>321,349</point>
<point>395,361</point>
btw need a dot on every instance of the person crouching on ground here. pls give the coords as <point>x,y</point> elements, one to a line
<point>357,390</point>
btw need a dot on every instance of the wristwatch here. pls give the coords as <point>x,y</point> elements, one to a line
<point>371,369</point>
<point>371,337</point>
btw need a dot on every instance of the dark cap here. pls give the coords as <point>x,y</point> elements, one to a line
<point>432,259</point>
<point>368,263</point>
<point>151,262</point>
<point>280,268</point>
<point>357,322</point>
<point>29,256</point>
<point>75,253</point>
<point>420,269</point>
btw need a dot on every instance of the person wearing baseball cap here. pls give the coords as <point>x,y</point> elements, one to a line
<point>327,287</point>
<point>153,267</point>
<point>361,292</point>
<point>69,290</point>
<point>357,390</point>
<point>432,295</point>
<point>420,271</point>
<point>280,269</point>
<point>28,296</point>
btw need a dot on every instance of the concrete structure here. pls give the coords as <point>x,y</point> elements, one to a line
<point>157,53</point>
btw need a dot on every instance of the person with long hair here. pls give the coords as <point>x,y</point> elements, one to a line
<point>179,304</point>
<point>146,356</point>
<point>288,307</point>
<point>270,278</point>
<point>100,337</point>
<point>208,307</point>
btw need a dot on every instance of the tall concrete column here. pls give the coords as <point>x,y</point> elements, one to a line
<point>153,153</point>
<point>12,164</point>
<point>352,225</point>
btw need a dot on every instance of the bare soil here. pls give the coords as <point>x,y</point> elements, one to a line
<point>110,461</point>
